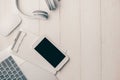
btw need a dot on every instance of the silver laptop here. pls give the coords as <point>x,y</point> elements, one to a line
<point>15,68</point>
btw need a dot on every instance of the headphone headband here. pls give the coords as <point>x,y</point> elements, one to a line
<point>38,13</point>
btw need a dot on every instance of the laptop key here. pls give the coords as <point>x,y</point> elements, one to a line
<point>12,62</point>
<point>14,72</point>
<point>4,72</point>
<point>12,69</point>
<point>16,75</point>
<point>17,69</point>
<point>1,77</point>
<point>23,77</point>
<point>15,65</point>
<point>8,79</point>
<point>7,76</point>
<point>9,73</point>
<point>0,65</point>
<point>0,73</point>
<point>10,58</point>
<point>4,64</point>
<point>19,78</point>
<point>12,76</point>
<point>8,63</point>
<point>7,69</point>
<point>20,73</point>
<point>1,69</point>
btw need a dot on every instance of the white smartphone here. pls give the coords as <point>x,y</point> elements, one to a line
<point>52,54</point>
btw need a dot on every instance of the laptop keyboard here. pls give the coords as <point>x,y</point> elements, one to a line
<point>10,71</point>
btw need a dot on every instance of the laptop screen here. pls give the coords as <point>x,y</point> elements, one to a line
<point>47,50</point>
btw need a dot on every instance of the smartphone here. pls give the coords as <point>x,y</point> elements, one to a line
<point>52,54</point>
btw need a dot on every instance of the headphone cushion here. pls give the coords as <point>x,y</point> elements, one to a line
<point>51,4</point>
<point>41,14</point>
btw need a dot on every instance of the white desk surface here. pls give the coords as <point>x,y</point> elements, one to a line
<point>88,29</point>
<point>63,27</point>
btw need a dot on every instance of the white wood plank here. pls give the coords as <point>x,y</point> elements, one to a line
<point>90,40</point>
<point>111,39</point>
<point>70,38</point>
<point>50,27</point>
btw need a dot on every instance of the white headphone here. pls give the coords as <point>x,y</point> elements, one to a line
<point>39,14</point>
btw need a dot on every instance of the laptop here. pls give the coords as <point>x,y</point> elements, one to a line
<point>15,68</point>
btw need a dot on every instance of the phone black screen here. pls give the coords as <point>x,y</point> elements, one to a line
<point>47,50</point>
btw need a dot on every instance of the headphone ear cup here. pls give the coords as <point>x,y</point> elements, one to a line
<point>41,14</point>
<point>52,5</point>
